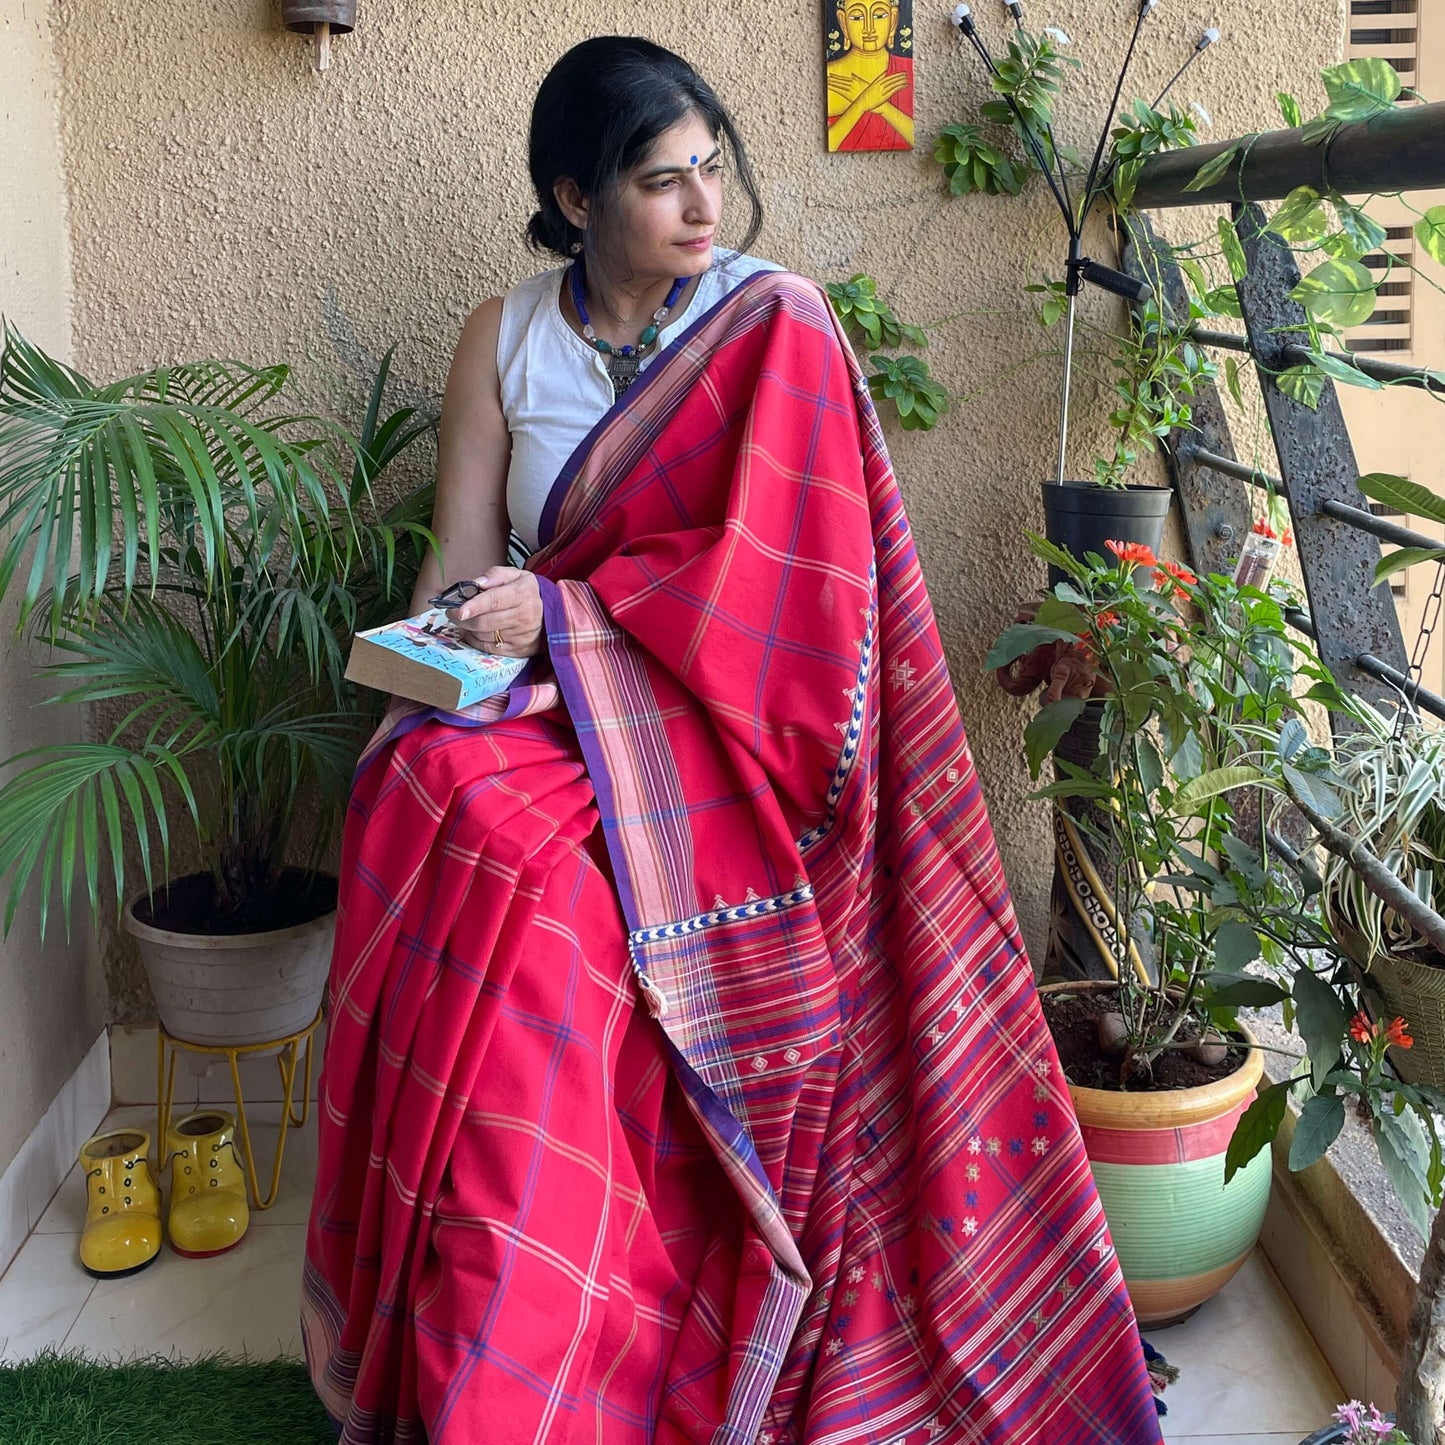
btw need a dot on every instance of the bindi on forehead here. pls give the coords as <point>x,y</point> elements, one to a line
<point>672,169</point>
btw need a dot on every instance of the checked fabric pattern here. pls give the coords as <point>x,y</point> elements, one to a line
<point>686,1080</point>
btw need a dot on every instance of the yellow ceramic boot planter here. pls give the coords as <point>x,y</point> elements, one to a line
<point>208,1213</point>
<point>122,1204</point>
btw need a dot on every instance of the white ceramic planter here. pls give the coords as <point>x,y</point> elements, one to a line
<point>243,989</point>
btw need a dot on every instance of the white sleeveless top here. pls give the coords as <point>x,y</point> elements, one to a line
<point>555,387</point>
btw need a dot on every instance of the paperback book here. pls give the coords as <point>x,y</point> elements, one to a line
<point>427,659</point>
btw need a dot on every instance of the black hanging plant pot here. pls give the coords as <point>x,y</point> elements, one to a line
<point>1081,516</point>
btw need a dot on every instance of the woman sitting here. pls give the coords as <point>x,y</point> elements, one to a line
<point>685,1078</point>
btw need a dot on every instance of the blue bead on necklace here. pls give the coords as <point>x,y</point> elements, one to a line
<point>623,362</point>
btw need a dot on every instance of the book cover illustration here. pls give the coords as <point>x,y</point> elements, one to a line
<point>426,658</point>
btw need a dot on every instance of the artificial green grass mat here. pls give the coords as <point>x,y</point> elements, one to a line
<point>66,1399</point>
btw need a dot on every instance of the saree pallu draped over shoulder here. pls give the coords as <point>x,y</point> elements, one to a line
<point>686,1081</point>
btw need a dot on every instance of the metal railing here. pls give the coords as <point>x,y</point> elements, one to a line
<point>1353,622</point>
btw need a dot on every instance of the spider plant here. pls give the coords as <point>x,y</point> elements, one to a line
<point>1392,791</point>
<point>196,554</point>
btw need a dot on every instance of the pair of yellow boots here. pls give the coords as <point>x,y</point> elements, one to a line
<point>208,1210</point>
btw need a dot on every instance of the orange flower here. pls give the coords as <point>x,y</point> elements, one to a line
<point>1108,619</point>
<point>1361,1029</point>
<point>1169,575</point>
<point>1133,554</point>
<point>1395,1034</point>
<point>1265,530</point>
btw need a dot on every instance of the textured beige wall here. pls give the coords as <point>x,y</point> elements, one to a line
<point>230,200</point>
<point>49,1011</point>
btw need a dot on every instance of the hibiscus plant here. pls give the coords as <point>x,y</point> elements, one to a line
<point>1200,691</point>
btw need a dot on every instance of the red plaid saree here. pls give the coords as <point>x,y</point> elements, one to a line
<point>686,1080</point>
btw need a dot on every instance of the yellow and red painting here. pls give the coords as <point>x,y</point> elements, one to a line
<point>869,46</point>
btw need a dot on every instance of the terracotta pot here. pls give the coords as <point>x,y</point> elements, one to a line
<point>245,988</point>
<point>1158,1161</point>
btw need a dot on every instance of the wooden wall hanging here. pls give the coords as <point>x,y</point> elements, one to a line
<point>868,47</point>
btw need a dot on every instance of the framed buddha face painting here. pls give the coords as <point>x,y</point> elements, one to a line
<point>868,46</point>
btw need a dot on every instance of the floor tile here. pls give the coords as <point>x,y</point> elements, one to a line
<point>248,1299</point>
<point>1248,1367</point>
<point>41,1295</point>
<point>14,1216</point>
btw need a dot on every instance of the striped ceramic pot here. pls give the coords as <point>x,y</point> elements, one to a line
<point>1158,1162</point>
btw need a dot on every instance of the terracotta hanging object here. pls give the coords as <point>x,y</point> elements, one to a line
<point>321,18</point>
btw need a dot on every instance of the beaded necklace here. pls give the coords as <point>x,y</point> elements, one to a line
<point>623,362</point>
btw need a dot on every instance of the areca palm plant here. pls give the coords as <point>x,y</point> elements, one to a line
<point>197,553</point>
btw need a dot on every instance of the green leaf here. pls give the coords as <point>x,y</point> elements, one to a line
<point>1194,271</point>
<point>1289,109</point>
<point>1318,1127</point>
<point>1021,639</point>
<point>1319,795</point>
<point>1151,766</point>
<point>1337,369</point>
<point>1231,380</point>
<point>1246,863</point>
<point>1300,217</point>
<point>1322,1019</point>
<point>1406,1169</point>
<point>1292,737</point>
<point>1319,130</point>
<point>1359,89</point>
<point>1337,293</point>
<point>1211,784</point>
<point>1236,946</point>
<point>1042,735</point>
<point>1056,556</point>
<point>1226,991</point>
<point>1126,178</point>
<point>1213,170</point>
<point>1403,495</point>
<point>1233,252</point>
<point>1404,557</point>
<point>1256,1128</point>
<point>1188,758</point>
<point>1365,233</point>
<point>1055,612</point>
<point>1223,300</point>
<point>1338,244</point>
<point>1076,788</point>
<point>1303,384</point>
<point>1430,232</point>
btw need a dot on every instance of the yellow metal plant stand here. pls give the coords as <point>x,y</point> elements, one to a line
<point>288,1056</point>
